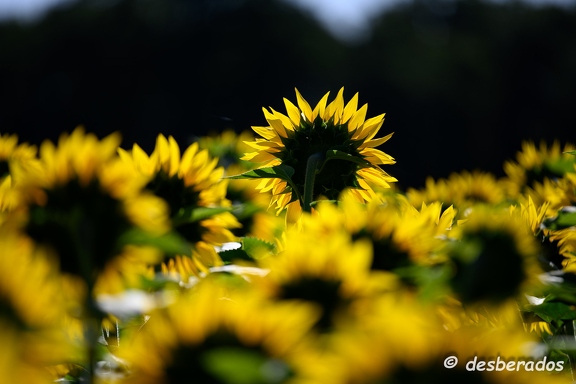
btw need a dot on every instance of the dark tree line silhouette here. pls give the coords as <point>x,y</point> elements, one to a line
<point>462,82</point>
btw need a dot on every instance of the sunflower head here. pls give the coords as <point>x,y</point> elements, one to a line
<point>83,200</point>
<point>494,256</point>
<point>31,311</point>
<point>461,190</point>
<point>209,336</point>
<point>534,165</point>
<point>319,152</point>
<point>191,183</point>
<point>334,279</point>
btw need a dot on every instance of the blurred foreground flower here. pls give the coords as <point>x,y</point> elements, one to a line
<point>209,337</point>
<point>31,313</point>
<point>82,200</point>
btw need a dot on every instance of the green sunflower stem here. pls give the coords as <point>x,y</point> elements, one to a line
<point>311,170</point>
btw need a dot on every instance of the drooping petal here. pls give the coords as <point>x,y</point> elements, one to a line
<point>265,132</point>
<point>376,142</point>
<point>376,156</point>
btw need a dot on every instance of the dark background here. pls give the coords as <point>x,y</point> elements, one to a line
<point>462,82</point>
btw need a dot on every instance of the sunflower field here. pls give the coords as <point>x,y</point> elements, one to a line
<point>283,255</point>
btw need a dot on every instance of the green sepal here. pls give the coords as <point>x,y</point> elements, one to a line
<point>571,152</point>
<point>334,154</point>
<point>170,243</point>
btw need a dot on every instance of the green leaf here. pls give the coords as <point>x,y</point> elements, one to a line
<point>566,218</point>
<point>233,255</point>
<point>554,311</point>
<point>571,152</point>
<point>561,166</point>
<point>245,210</point>
<point>242,366</point>
<point>252,249</point>
<point>171,242</point>
<point>254,246</point>
<point>282,171</point>
<point>194,214</point>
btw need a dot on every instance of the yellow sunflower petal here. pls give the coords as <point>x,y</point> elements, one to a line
<point>275,123</point>
<point>304,106</point>
<point>376,156</point>
<point>358,119</point>
<point>293,112</point>
<point>320,107</point>
<point>265,132</point>
<point>376,142</point>
<point>350,108</point>
<point>370,128</point>
<point>335,108</point>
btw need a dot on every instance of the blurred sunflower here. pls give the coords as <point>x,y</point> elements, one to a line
<point>186,183</point>
<point>401,340</point>
<point>83,199</point>
<point>207,337</point>
<point>320,152</point>
<point>228,147</point>
<point>325,268</point>
<point>31,311</point>
<point>536,165</point>
<point>461,190</point>
<point>400,234</point>
<point>494,243</point>
<point>250,206</point>
<point>15,159</point>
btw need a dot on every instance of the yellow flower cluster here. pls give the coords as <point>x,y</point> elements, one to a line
<point>296,263</point>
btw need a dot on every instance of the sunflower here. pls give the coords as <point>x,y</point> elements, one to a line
<point>31,310</point>
<point>494,243</point>
<point>400,235</point>
<point>250,207</point>
<point>15,159</point>
<point>535,165</point>
<point>322,265</point>
<point>319,152</point>
<point>209,337</point>
<point>402,341</point>
<point>228,147</point>
<point>82,200</point>
<point>461,190</point>
<point>186,183</point>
